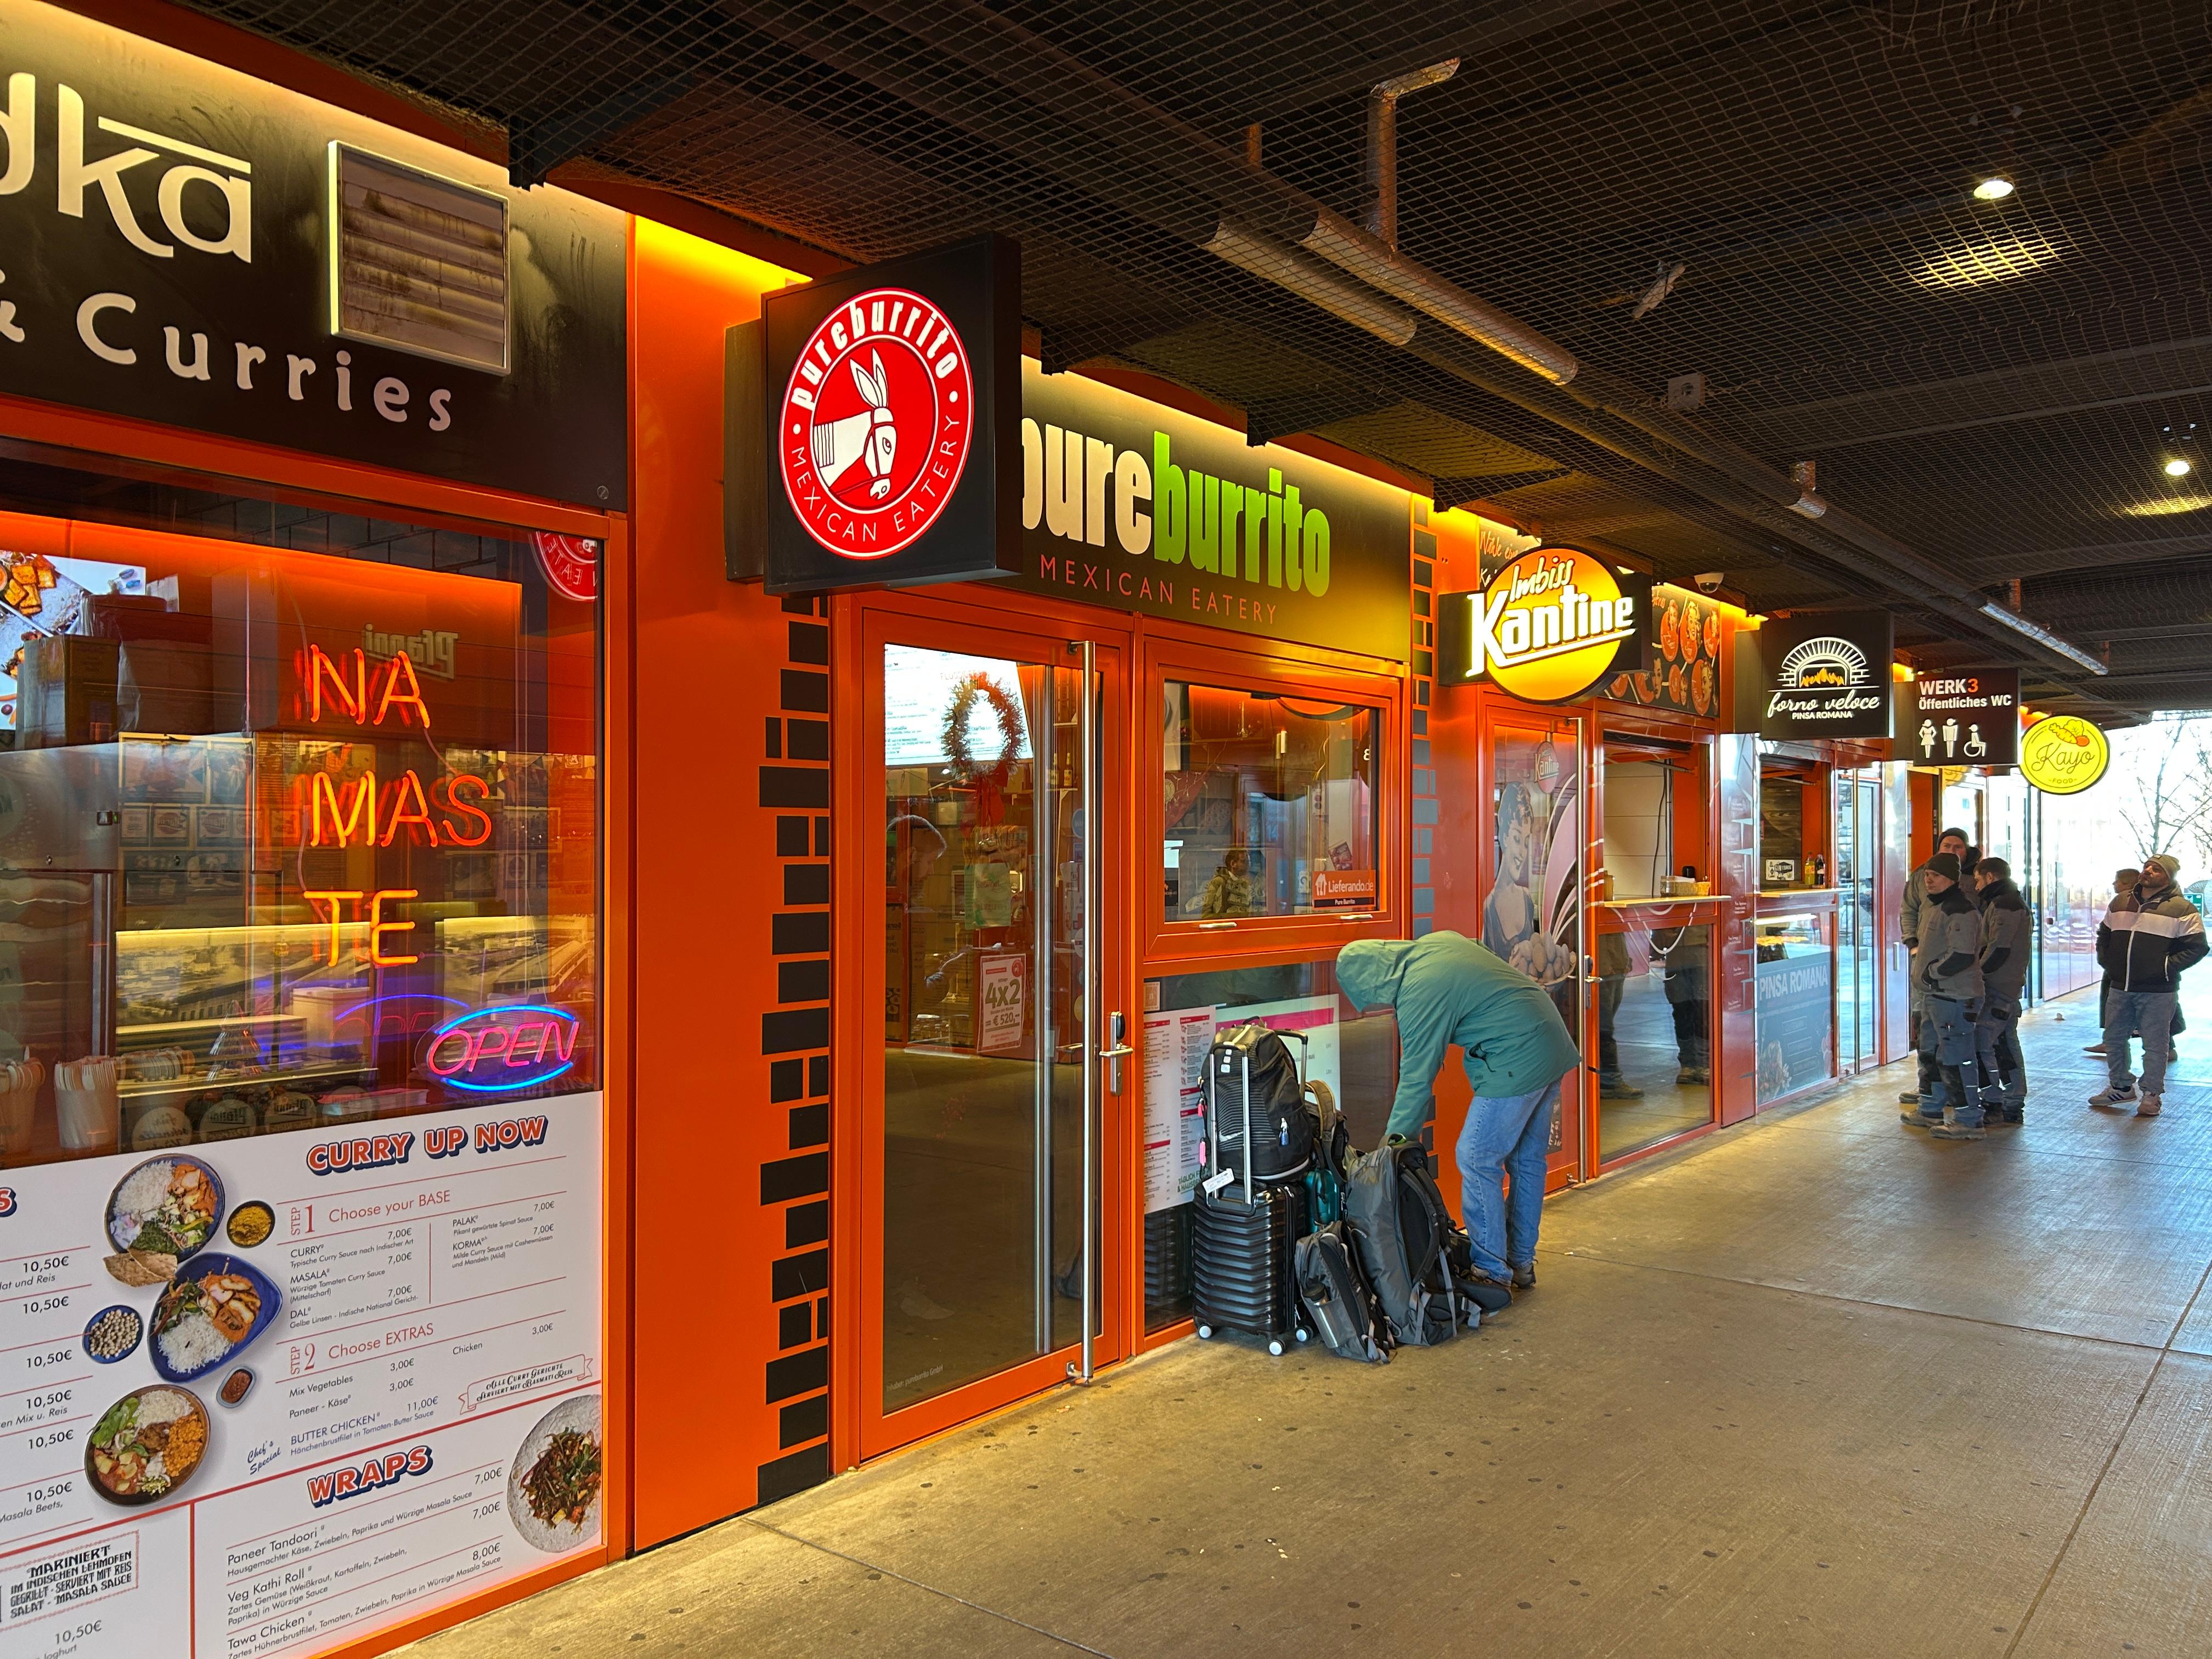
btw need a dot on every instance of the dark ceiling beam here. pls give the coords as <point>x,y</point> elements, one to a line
<point>1061,346</point>
<point>536,144</point>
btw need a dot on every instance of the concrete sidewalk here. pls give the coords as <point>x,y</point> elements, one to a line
<point>1818,1385</point>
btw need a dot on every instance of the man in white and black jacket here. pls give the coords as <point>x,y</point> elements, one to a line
<point>2150,937</point>
<point>1948,970</point>
<point>2006,933</point>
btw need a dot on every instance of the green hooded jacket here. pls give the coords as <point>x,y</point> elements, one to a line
<point>1446,988</point>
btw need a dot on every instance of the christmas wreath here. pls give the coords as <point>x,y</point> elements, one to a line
<point>990,786</point>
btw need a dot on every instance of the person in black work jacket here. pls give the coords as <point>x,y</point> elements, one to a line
<point>1947,971</point>
<point>2151,936</point>
<point>2005,934</point>
<point>1929,1096</point>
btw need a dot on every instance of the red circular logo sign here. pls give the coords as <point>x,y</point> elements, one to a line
<point>571,563</point>
<point>873,430</point>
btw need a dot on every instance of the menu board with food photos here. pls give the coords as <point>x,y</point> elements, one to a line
<point>1684,677</point>
<point>262,1397</point>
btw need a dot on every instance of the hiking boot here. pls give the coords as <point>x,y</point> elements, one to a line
<point>1909,1097</point>
<point>2148,1107</point>
<point>1951,1129</point>
<point>1919,1120</point>
<point>1524,1279</point>
<point>2114,1096</point>
<point>1618,1088</point>
<point>2094,1049</point>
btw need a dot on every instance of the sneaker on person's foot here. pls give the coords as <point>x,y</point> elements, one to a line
<point>2114,1096</point>
<point>2094,1049</point>
<point>1955,1131</point>
<point>1909,1097</point>
<point>1524,1279</point>
<point>2148,1107</point>
<point>1620,1089</point>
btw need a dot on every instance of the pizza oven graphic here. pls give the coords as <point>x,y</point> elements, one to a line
<point>1825,663</point>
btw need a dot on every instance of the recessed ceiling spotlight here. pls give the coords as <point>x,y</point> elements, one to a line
<point>2177,468</point>
<point>1995,188</point>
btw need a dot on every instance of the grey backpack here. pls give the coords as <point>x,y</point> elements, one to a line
<point>1404,1231</point>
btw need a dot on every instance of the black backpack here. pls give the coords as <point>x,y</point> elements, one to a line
<point>1339,1304</point>
<point>1251,1081</point>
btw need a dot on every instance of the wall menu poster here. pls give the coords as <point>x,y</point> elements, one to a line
<point>372,1386</point>
<point>1176,1043</point>
<point>1796,1038</point>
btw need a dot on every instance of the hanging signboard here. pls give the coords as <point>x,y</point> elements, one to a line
<point>892,430</point>
<point>1962,717</point>
<point>2063,753</point>
<point>1546,628</point>
<point>1127,503</point>
<point>1820,676</point>
<point>184,244</point>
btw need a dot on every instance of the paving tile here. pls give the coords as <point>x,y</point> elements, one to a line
<point>737,1590</point>
<point>2134,1578</point>
<point>1629,1462</point>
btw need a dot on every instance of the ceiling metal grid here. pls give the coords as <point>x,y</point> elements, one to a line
<point>1997,384</point>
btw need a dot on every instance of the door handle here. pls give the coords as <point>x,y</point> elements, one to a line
<point>1117,1029</point>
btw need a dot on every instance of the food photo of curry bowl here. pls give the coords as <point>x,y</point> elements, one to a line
<point>217,1305</point>
<point>147,1445</point>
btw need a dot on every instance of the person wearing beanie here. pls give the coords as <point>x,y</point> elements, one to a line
<point>2150,937</point>
<point>1915,903</point>
<point>1946,970</point>
<point>2006,934</point>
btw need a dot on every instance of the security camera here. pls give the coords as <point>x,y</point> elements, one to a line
<point>1709,582</point>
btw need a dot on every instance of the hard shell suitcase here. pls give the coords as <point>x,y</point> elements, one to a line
<point>1244,1273</point>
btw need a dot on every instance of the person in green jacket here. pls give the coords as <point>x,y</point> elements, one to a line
<point>1445,989</point>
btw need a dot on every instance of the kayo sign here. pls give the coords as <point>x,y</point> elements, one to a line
<point>2063,753</point>
<point>893,431</point>
<point>1546,628</point>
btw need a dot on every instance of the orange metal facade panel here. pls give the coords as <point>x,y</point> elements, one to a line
<point>708,657</point>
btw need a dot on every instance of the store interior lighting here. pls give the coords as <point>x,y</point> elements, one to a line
<point>1995,188</point>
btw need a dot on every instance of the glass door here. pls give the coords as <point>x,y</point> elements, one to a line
<point>1534,915</point>
<point>1858,926</point>
<point>1000,1055</point>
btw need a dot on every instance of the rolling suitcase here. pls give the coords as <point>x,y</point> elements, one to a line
<point>1251,1207</point>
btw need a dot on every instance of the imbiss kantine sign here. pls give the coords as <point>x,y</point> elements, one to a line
<point>183,244</point>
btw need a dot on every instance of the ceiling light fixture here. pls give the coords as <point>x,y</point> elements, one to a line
<point>2177,468</point>
<point>1995,188</point>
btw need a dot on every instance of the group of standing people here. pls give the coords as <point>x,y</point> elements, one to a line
<point>1969,933</point>
<point>1967,928</point>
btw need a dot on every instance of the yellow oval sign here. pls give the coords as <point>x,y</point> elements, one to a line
<point>1548,626</point>
<point>2063,753</point>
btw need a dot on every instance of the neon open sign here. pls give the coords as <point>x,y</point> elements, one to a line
<point>490,1050</point>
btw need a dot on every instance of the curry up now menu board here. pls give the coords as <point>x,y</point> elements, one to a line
<point>264,1397</point>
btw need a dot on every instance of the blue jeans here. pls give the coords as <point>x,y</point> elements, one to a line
<point>2148,1014</point>
<point>1505,1138</point>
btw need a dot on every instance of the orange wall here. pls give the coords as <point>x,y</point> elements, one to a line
<point>719,1157</point>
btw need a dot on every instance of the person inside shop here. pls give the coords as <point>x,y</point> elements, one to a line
<point>1229,888</point>
<point>1444,989</point>
<point>1613,967</point>
<point>1946,972</point>
<point>2006,932</point>
<point>2149,938</point>
<point>1689,997</point>
<point>1928,1095</point>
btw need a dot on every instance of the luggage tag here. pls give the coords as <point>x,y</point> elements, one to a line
<point>1216,1182</point>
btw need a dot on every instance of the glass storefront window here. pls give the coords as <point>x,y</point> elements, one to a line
<point>1796,977</point>
<point>1354,1056</point>
<point>1270,805</point>
<point>292,835</point>
<point>1655,1021</point>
